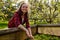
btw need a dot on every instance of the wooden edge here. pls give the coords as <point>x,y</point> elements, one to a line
<point>12,30</point>
<point>48,25</point>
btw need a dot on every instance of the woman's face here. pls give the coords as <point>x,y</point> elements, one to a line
<point>24,8</point>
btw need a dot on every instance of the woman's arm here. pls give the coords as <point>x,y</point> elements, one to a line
<point>30,33</point>
<point>24,29</point>
<point>29,29</point>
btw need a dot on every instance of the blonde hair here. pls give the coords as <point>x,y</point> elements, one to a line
<point>22,2</point>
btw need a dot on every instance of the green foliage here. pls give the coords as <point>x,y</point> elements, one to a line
<point>3,24</point>
<point>45,11</point>
<point>41,12</point>
<point>45,37</point>
<point>7,9</point>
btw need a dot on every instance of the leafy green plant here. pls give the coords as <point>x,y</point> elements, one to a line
<point>45,37</point>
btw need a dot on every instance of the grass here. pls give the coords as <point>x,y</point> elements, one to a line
<point>45,37</point>
<point>3,24</point>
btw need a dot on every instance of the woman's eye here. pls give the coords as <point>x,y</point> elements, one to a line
<point>25,7</point>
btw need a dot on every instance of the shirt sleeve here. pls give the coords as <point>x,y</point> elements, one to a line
<point>27,23</point>
<point>16,20</point>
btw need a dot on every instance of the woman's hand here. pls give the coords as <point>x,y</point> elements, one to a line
<point>27,33</point>
<point>31,37</point>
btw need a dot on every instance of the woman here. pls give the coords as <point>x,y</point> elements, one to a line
<point>20,17</point>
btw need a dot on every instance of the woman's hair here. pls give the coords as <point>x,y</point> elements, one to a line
<point>20,11</point>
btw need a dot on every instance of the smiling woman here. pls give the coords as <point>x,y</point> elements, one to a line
<point>19,18</point>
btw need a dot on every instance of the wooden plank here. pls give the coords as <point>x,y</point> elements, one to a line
<point>49,30</point>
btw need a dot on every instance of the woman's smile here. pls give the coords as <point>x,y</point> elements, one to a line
<point>24,8</point>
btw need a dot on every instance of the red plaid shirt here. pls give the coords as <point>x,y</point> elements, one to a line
<point>17,20</point>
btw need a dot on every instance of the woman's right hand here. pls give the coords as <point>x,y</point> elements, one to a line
<point>31,37</point>
<point>28,35</point>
